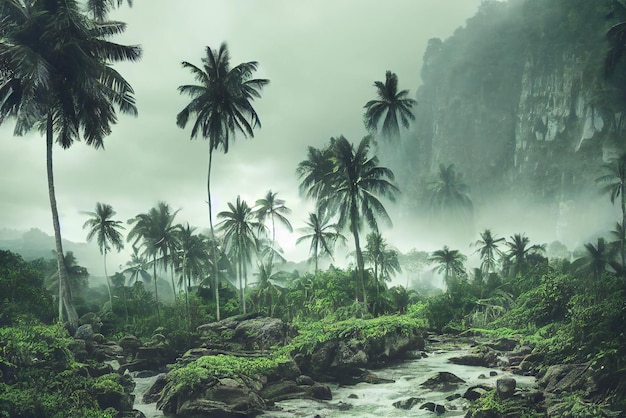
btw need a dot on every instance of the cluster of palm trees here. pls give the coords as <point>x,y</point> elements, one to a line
<point>158,241</point>
<point>513,256</point>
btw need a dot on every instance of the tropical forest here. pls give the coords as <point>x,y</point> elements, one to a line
<point>457,251</point>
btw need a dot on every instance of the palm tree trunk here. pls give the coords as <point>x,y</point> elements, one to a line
<point>186,297</point>
<point>216,281</point>
<point>65,297</point>
<point>360,268</point>
<point>623,238</point>
<point>359,254</point>
<point>156,288</point>
<point>245,286</point>
<point>240,276</point>
<point>106,276</point>
<point>376,303</point>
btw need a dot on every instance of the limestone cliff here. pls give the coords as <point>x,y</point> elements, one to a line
<point>518,101</point>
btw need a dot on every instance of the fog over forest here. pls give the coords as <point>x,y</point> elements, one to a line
<point>339,209</point>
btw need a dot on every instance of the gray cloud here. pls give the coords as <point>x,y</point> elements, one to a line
<point>321,57</point>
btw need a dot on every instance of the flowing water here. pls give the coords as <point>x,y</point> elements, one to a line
<point>368,400</point>
<point>142,384</point>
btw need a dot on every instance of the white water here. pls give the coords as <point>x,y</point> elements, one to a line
<point>377,400</point>
<point>142,384</point>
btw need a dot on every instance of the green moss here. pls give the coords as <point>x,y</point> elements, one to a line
<point>314,333</point>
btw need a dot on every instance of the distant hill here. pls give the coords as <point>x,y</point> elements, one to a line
<point>35,243</point>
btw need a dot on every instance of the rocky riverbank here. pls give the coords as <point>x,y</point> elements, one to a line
<point>250,366</point>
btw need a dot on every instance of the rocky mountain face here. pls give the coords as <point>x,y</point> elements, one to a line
<point>518,101</point>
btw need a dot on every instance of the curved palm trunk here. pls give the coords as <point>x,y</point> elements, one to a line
<point>65,297</point>
<point>216,281</point>
<point>360,268</point>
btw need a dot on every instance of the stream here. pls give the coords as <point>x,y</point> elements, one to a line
<point>368,400</point>
<point>142,384</point>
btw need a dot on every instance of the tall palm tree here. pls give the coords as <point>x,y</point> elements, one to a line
<point>352,189</point>
<point>222,106</point>
<point>374,248</point>
<point>107,232</point>
<point>384,260</point>
<point>238,225</point>
<point>614,182</point>
<point>488,250</point>
<point>56,76</point>
<point>157,233</point>
<point>322,234</point>
<point>450,263</point>
<point>273,209</point>
<point>359,181</point>
<point>519,250</point>
<point>390,104</point>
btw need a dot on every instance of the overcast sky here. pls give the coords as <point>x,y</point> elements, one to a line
<point>321,58</point>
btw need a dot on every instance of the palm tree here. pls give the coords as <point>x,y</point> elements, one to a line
<point>374,248</point>
<point>322,235</point>
<point>56,76</point>
<point>77,277</point>
<point>519,250</point>
<point>385,261</point>
<point>597,259</point>
<point>488,250</point>
<point>192,260</point>
<point>316,173</point>
<point>450,263</point>
<point>157,232</point>
<point>238,226</point>
<point>615,185</point>
<point>222,105</point>
<point>391,104</point>
<point>351,188</point>
<point>106,230</point>
<point>266,292</point>
<point>137,267</point>
<point>274,209</point>
<point>449,192</point>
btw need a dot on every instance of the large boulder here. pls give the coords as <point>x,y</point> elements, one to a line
<point>259,333</point>
<point>565,378</point>
<point>224,397</point>
<point>84,332</point>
